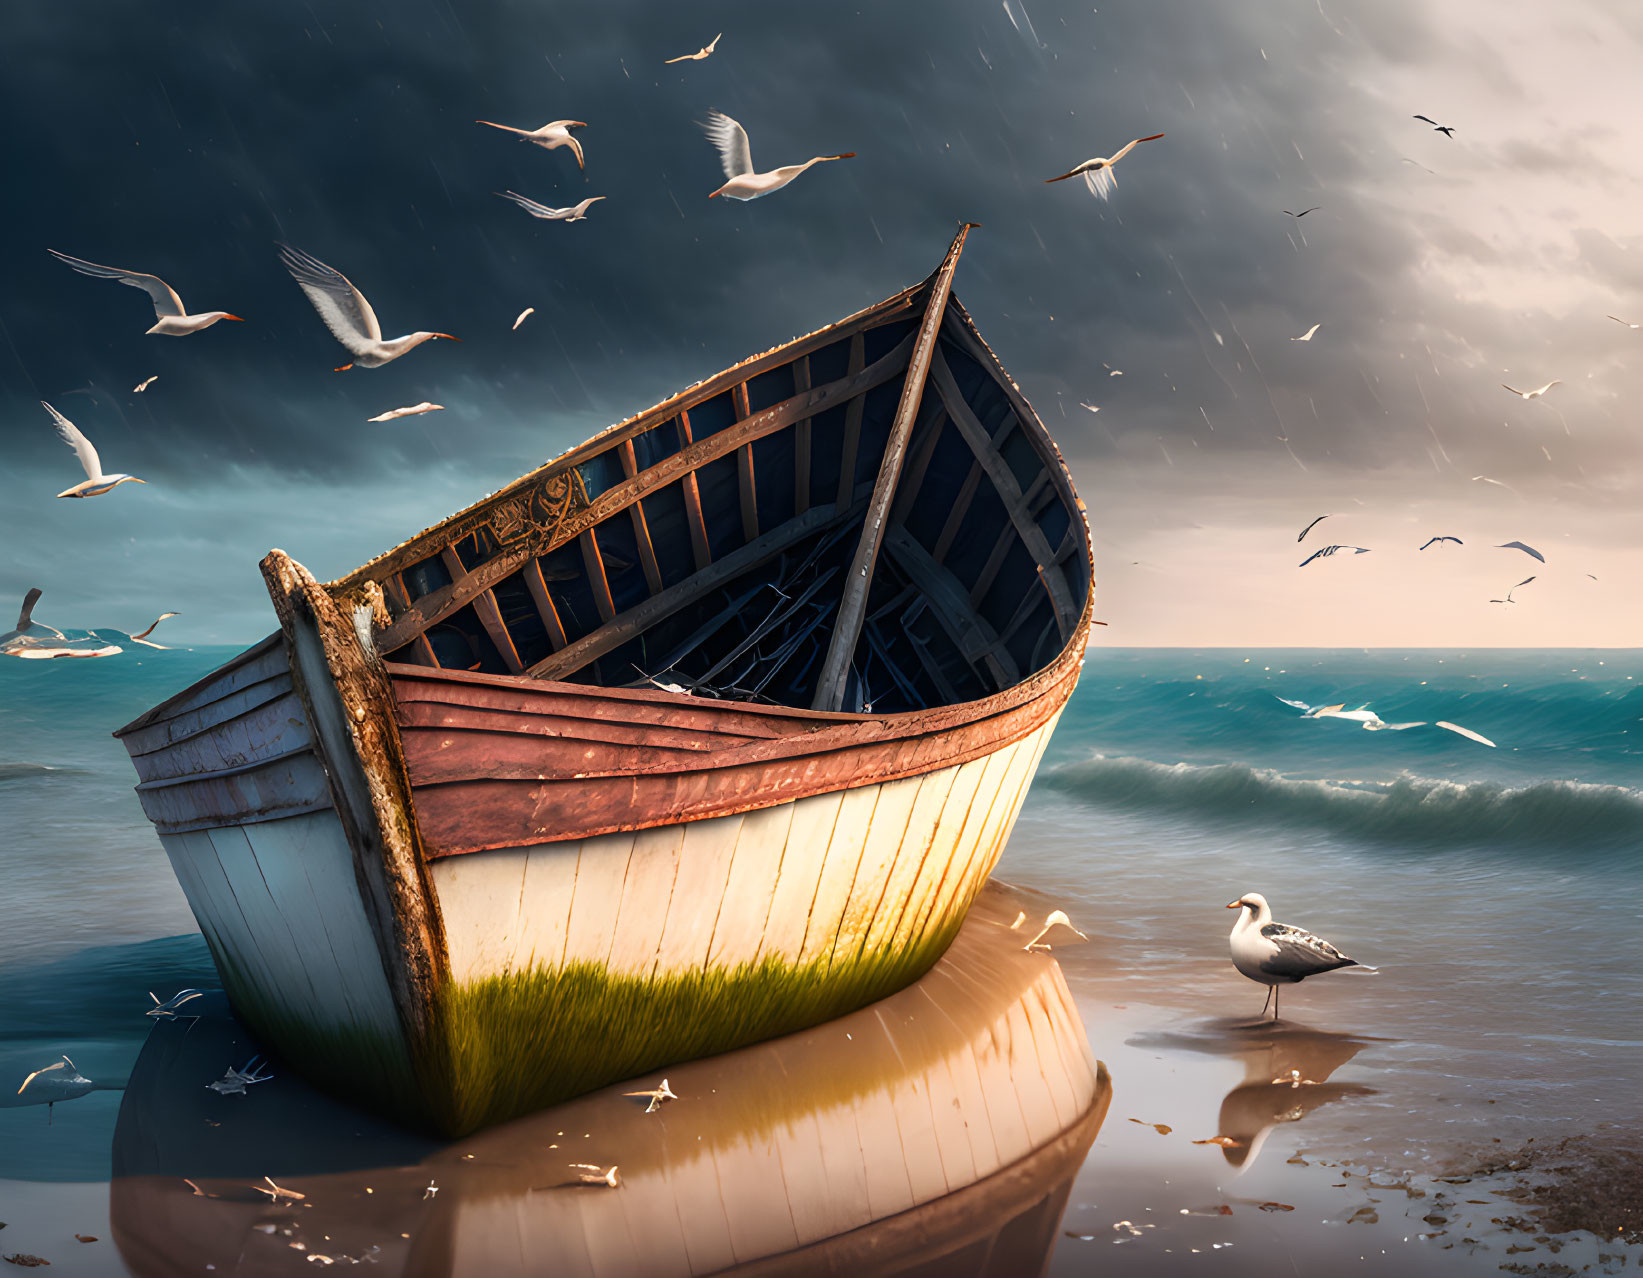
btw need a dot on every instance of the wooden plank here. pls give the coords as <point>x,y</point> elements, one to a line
<point>838,876</point>
<point>652,873</point>
<point>976,639</point>
<point>841,648</point>
<point>1003,479</point>
<point>852,418</point>
<point>601,869</point>
<point>641,528</point>
<point>479,900</point>
<point>419,547</point>
<point>594,564</point>
<point>798,876</point>
<point>544,906</point>
<point>748,493</point>
<point>751,888</point>
<point>704,869</point>
<point>961,509</point>
<point>801,441</point>
<point>440,603</point>
<point>700,551</point>
<point>1007,537</point>
<point>490,615</point>
<point>892,817</point>
<point>618,630</point>
<point>538,586</point>
<point>927,434</point>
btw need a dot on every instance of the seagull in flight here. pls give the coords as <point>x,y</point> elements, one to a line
<point>1466,732</point>
<point>736,158</point>
<point>1518,545</point>
<point>1627,323</point>
<point>1307,336</point>
<point>524,315</point>
<point>549,137</point>
<point>1311,526</point>
<point>575,213</point>
<point>143,385</point>
<point>171,319</point>
<point>1275,954</point>
<point>1363,716</point>
<point>35,641</point>
<point>1434,541</point>
<point>701,53</point>
<point>1509,598</point>
<point>96,483</point>
<point>347,314</point>
<point>415,410</point>
<point>1304,212</point>
<point>1097,173</point>
<point>147,643</point>
<point>1534,394</point>
<point>1444,129</point>
<point>658,1096</point>
<point>1330,550</point>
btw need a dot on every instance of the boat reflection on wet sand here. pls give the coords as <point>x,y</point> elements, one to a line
<point>937,1131</point>
<point>1286,1076</point>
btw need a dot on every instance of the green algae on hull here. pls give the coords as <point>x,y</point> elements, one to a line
<point>522,1041</point>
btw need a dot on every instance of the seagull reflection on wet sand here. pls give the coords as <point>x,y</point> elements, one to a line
<point>937,1131</point>
<point>1286,1076</point>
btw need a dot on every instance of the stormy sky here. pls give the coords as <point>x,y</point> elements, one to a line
<point>185,141</point>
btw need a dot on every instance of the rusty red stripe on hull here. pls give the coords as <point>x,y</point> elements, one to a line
<point>476,790</point>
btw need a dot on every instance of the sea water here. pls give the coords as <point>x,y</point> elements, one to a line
<point>1497,890</point>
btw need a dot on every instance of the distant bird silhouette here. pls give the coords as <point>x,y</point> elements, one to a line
<point>1444,129</point>
<point>1330,550</point>
<point>1304,212</point>
<point>705,51</point>
<point>1435,540</point>
<point>1307,336</point>
<point>1509,598</point>
<point>1311,526</point>
<point>1518,545</point>
<point>1627,323</point>
<point>1533,394</point>
<point>1097,173</point>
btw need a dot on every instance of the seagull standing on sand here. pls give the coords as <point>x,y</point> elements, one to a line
<point>1276,954</point>
<point>171,319</point>
<point>1097,173</point>
<point>347,314</point>
<point>701,53</point>
<point>549,136</point>
<point>1537,392</point>
<point>736,157</point>
<point>575,213</point>
<point>96,483</point>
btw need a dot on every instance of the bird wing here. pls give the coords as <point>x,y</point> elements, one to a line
<point>1100,181</point>
<point>70,434</point>
<point>506,128</point>
<point>1524,582</point>
<point>1380,725</point>
<point>531,206</point>
<point>1518,545</point>
<point>29,600</point>
<point>735,154</point>
<point>342,306</point>
<point>1311,526</point>
<point>1514,390</point>
<point>38,1072</point>
<point>711,44</point>
<point>1465,732</point>
<point>1300,953</point>
<point>1132,145</point>
<point>1428,119</point>
<point>1299,705</point>
<point>1318,554</point>
<point>1556,381</point>
<point>165,299</point>
<point>150,630</point>
<point>582,208</point>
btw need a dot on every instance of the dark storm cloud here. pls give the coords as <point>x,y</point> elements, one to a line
<point>186,144</point>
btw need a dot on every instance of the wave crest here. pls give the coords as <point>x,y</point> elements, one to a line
<point>1411,810</point>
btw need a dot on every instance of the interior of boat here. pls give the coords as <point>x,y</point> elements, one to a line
<point>707,545</point>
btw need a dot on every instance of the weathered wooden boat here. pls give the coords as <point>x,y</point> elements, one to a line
<point>936,1132</point>
<point>705,731</point>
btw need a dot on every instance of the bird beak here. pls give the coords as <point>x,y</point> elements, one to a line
<point>236,318</point>
<point>1233,905</point>
<point>343,369</point>
<point>711,194</point>
<point>448,337</point>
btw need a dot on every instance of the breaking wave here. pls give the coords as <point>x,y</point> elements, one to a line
<point>1409,810</point>
<point>23,771</point>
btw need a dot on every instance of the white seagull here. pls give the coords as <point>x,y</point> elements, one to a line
<point>737,158</point>
<point>1362,715</point>
<point>658,1096</point>
<point>549,136</point>
<point>1097,173</point>
<point>1627,323</point>
<point>347,314</point>
<point>171,319</point>
<point>413,410</point>
<point>235,1081</point>
<point>1055,918</point>
<point>1307,336</point>
<point>143,637</point>
<point>36,641</point>
<point>699,54</point>
<point>1276,954</point>
<point>1536,393</point>
<point>593,1174</point>
<point>575,213</point>
<point>1465,732</point>
<point>168,1010</point>
<point>524,315</point>
<point>96,483</point>
<point>143,385</point>
<point>59,1081</point>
